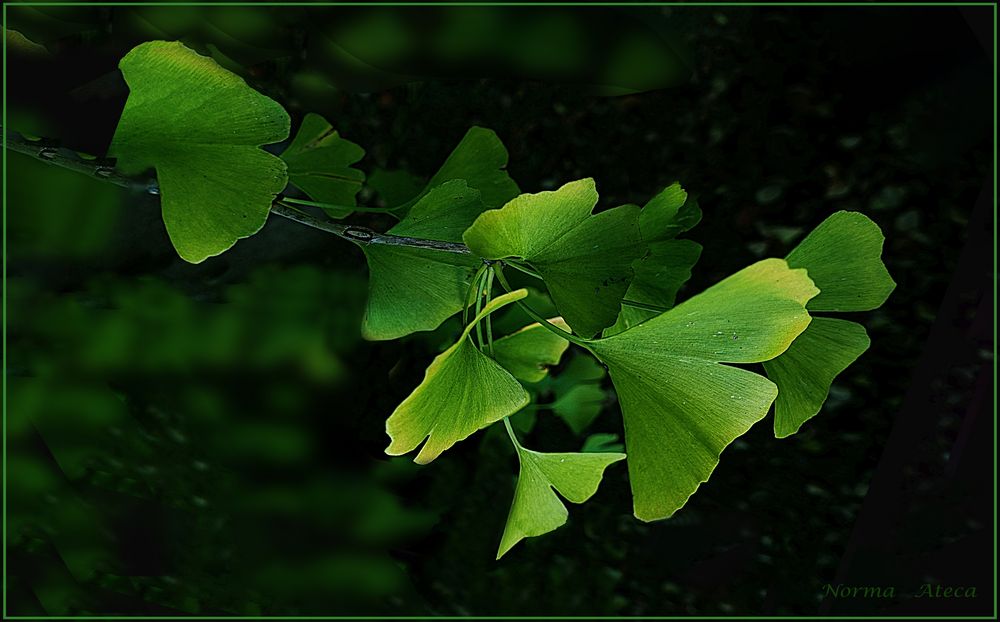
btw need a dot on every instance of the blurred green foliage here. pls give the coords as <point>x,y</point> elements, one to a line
<point>209,439</point>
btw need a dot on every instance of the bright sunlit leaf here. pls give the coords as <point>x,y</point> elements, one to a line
<point>681,406</point>
<point>844,258</point>
<point>200,127</point>
<point>585,259</point>
<point>463,391</point>
<point>537,509</point>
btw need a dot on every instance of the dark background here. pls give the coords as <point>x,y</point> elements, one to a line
<point>208,439</point>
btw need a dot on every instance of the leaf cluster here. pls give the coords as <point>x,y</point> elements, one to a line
<point>612,277</point>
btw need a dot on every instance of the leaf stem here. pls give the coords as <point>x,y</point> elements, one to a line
<point>510,433</point>
<point>537,317</point>
<point>643,305</point>
<point>479,307</point>
<point>489,321</point>
<point>524,269</point>
<point>468,294</point>
<point>350,208</point>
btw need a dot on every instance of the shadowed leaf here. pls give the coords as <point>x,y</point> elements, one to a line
<point>843,257</point>
<point>580,406</point>
<point>529,352</point>
<point>319,164</point>
<point>658,277</point>
<point>414,289</point>
<point>481,160</point>
<point>806,370</point>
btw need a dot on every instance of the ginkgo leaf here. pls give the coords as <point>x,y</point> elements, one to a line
<point>659,275</point>
<point>681,406</point>
<point>585,259</point>
<point>200,127</point>
<point>806,370</point>
<point>515,317</point>
<point>580,369</point>
<point>395,187</point>
<point>667,264</point>
<point>462,391</point>
<point>602,442</point>
<point>579,406</point>
<point>843,257</point>
<point>537,509</point>
<point>319,164</point>
<point>668,214</point>
<point>529,352</point>
<point>413,289</point>
<point>481,160</point>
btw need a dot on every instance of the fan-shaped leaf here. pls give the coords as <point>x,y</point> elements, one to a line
<point>537,509</point>
<point>319,164</point>
<point>668,214</point>
<point>529,352</point>
<point>463,391</point>
<point>806,370</point>
<point>681,406</point>
<point>481,160</point>
<point>200,127</point>
<point>659,275</point>
<point>413,289</point>
<point>666,266</point>
<point>843,257</point>
<point>584,259</point>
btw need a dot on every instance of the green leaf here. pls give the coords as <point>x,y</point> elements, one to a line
<point>200,127</point>
<point>481,160</point>
<point>584,259</point>
<point>681,406</point>
<point>579,406</point>
<point>319,164</point>
<point>515,317</point>
<point>806,370</point>
<point>537,509</point>
<point>415,289</point>
<point>666,266</point>
<point>579,369</point>
<point>529,352</point>
<point>844,258</point>
<point>668,214</point>
<point>443,214</point>
<point>395,187</point>
<point>463,391</point>
<point>658,277</point>
<point>602,442</point>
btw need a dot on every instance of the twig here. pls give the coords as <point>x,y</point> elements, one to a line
<point>101,169</point>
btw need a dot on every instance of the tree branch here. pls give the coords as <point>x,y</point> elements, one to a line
<point>46,151</point>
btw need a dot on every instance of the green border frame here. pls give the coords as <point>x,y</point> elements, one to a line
<point>3,610</point>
